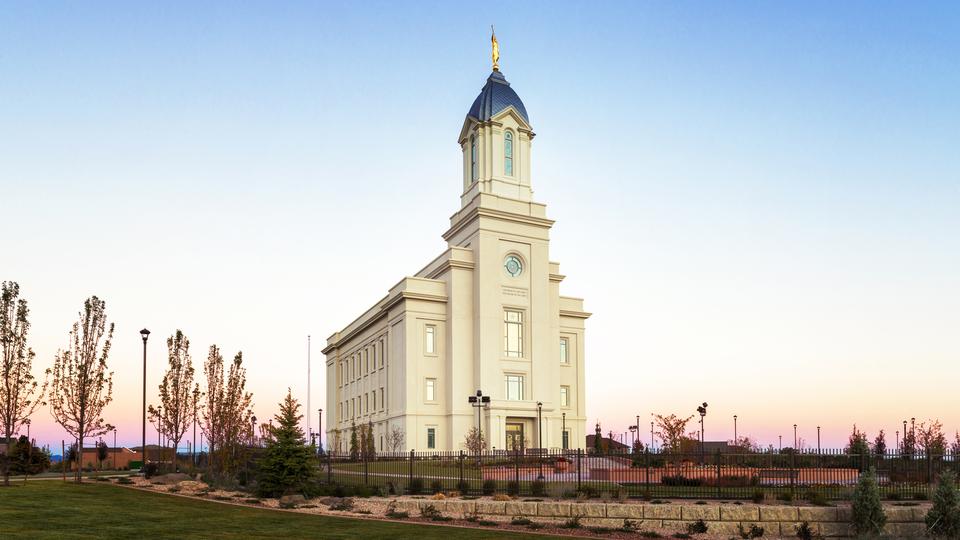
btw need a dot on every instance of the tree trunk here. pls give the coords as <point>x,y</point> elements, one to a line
<point>6,467</point>
<point>79,457</point>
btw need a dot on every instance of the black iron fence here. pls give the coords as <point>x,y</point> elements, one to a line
<point>816,476</point>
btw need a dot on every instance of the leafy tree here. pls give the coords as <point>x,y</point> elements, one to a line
<point>880,444</point>
<point>943,519</point>
<point>176,388</point>
<point>908,445</point>
<point>354,442</point>
<point>745,445</point>
<point>369,445</point>
<point>858,448</point>
<point>18,386</point>
<point>637,450</point>
<point>226,412</point>
<point>28,459</point>
<point>671,431</point>
<point>930,438</point>
<point>955,445</point>
<point>72,454</point>
<point>287,465</point>
<point>81,386</point>
<point>103,451</point>
<point>868,516</point>
<point>474,441</point>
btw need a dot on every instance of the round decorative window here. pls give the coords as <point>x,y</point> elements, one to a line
<point>513,265</point>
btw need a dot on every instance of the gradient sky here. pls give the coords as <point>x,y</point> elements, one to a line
<point>760,202</point>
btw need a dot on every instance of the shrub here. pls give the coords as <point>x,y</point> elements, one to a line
<point>683,536</point>
<point>817,498</point>
<point>430,512</point>
<point>125,481</point>
<point>572,523</point>
<point>513,488</point>
<point>463,487</point>
<point>804,531</point>
<point>489,487</point>
<point>149,470</point>
<point>538,488</point>
<point>629,525</point>
<point>487,523</point>
<point>680,480</point>
<point>415,486</point>
<point>650,534</point>
<point>601,530</point>
<point>758,496</point>
<point>436,486</point>
<point>786,496</point>
<point>500,497</point>
<point>752,532</point>
<point>868,517</point>
<point>520,520</point>
<point>535,526</point>
<point>697,527</point>
<point>943,519</point>
<point>392,512</point>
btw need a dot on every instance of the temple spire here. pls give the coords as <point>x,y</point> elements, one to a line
<point>496,49</point>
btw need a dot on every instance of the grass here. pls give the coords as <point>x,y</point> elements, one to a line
<point>56,510</point>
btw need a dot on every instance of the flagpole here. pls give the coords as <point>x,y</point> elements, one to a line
<point>309,425</point>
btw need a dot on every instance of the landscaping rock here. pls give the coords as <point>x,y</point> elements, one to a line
<point>292,501</point>
<point>192,485</point>
<point>169,479</point>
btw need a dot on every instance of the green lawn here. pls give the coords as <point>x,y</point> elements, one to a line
<point>52,509</point>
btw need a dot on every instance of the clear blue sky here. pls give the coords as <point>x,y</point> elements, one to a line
<point>759,201</point>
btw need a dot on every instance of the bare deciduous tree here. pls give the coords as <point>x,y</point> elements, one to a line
<point>395,438</point>
<point>474,441</point>
<point>81,386</point>
<point>175,390</point>
<point>17,383</point>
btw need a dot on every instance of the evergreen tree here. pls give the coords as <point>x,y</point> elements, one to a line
<point>943,520</point>
<point>287,464</point>
<point>370,448</point>
<point>868,516</point>
<point>354,442</point>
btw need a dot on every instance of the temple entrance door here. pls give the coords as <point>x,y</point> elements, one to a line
<point>514,436</point>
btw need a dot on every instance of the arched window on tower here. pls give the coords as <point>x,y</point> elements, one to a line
<point>508,153</point>
<point>473,158</point>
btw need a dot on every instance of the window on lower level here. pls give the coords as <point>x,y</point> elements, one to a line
<point>564,396</point>
<point>564,355</point>
<point>431,438</point>
<point>514,387</point>
<point>430,339</point>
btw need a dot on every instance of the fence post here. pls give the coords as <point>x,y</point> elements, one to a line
<point>793,469</point>
<point>579,452</point>
<point>646,464</point>
<point>516,467</point>
<point>718,472</point>
<point>329,470</point>
<point>365,477</point>
<point>460,484</point>
<point>410,478</point>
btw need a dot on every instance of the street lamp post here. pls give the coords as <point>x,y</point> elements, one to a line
<point>540,437</point>
<point>818,439</point>
<point>253,431</point>
<point>479,401</point>
<point>159,424</point>
<point>651,434</point>
<point>143,427</point>
<point>794,437</point>
<point>114,448</point>
<point>320,430</point>
<point>735,430</point>
<point>702,409</point>
<point>780,447</point>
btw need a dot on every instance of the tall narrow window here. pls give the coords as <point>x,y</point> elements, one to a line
<point>431,390</point>
<point>514,387</point>
<point>508,153</point>
<point>382,404</point>
<point>430,339</point>
<point>564,358</point>
<point>473,158</point>
<point>564,396</point>
<point>513,333</point>
<point>431,438</point>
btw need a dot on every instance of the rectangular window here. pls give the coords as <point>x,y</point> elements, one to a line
<point>513,333</point>
<point>566,439</point>
<point>383,353</point>
<point>374,396</point>
<point>366,361</point>
<point>374,352</point>
<point>431,389</point>
<point>564,343</point>
<point>431,438</point>
<point>430,339</point>
<point>564,396</point>
<point>382,403</point>
<point>366,403</point>
<point>515,387</point>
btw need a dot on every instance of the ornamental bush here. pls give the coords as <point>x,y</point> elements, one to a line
<point>943,519</point>
<point>868,516</point>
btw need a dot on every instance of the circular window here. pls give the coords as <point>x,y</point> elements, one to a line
<point>513,265</point>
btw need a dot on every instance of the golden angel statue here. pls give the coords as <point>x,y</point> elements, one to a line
<point>496,49</point>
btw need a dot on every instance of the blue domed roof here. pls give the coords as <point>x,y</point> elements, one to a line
<point>496,96</point>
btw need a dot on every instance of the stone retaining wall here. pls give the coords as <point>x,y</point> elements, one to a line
<point>720,519</point>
